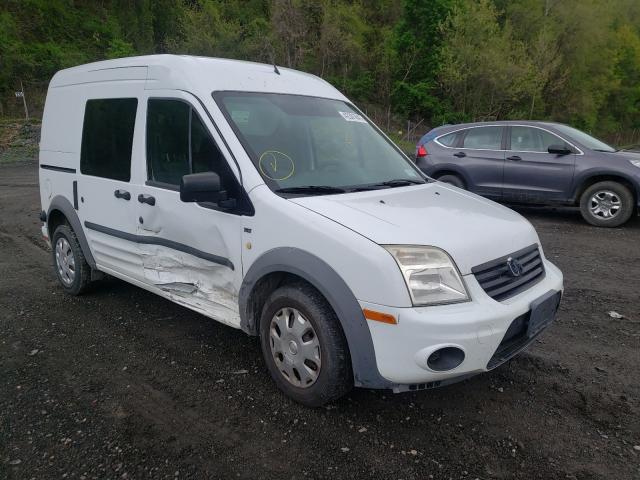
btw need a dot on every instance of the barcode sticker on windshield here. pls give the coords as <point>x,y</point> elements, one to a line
<point>352,117</point>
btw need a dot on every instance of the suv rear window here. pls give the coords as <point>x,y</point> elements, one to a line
<point>107,137</point>
<point>448,140</point>
<point>485,138</point>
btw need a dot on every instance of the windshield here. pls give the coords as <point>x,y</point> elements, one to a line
<point>584,138</point>
<point>297,142</point>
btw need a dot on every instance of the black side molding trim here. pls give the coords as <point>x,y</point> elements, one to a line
<point>75,194</point>
<point>149,240</point>
<point>58,169</point>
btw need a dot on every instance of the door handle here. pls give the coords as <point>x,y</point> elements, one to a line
<point>122,194</point>
<point>148,199</point>
<point>515,158</point>
<point>460,154</point>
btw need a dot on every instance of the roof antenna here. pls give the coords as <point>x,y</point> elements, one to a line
<point>273,59</point>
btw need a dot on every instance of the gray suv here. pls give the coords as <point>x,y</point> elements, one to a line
<point>535,163</point>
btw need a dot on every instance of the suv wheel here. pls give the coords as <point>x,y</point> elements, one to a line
<point>72,270</point>
<point>304,347</point>
<point>606,204</point>
<point>452,180</point>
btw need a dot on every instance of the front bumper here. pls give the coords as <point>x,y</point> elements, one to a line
<point>476,327</point>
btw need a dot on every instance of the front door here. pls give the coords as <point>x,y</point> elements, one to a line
<point>191,251</point>
<point>531,173</point>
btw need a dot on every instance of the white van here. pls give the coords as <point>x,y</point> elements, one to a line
<point>263,198</point>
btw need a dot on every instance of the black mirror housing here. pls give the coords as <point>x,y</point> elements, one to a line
<point>201,187</point>
<point>559,149</point>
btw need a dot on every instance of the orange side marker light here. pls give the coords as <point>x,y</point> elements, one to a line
<point>379,316</point>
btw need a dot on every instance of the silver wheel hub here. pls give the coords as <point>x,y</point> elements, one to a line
<point>605,204</point>
<point>295,347</point>
<point>65,262</point>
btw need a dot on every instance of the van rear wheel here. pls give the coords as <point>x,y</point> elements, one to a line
<point>304,346</point>
<point>72,270</point>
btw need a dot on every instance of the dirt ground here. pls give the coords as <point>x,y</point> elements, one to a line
<point>120,383</point>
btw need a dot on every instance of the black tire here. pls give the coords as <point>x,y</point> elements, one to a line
<point>620,193</point>
<point>335,376</point>
<point>454,180</point>
<point>82,270</point>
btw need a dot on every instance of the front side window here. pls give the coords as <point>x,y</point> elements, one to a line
<point>178,144</point>
<point>529,139</point>
<point>484,138</point>
<point>107,138</point>
<point>299,141</point>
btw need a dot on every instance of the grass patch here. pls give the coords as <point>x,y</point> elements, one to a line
<point>19,141</point>
<point>409,148</point>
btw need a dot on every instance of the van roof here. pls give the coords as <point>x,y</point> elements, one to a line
<point>197,74</point>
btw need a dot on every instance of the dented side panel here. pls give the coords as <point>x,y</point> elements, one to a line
<point>192,281</point>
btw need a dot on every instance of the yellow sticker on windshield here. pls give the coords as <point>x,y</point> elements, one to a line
<point>276,165</point>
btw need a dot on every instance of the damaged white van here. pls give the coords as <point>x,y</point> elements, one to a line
<point>263,198</point>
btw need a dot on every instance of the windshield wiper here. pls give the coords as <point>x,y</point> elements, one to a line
<point>311,189</point>
<point>400,182</point>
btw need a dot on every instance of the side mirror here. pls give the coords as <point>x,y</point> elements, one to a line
<point>559,149</point>
<point>201,187</point>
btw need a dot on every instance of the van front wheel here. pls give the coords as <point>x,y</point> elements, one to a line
<point>72,270</point>
<point>304,346</point>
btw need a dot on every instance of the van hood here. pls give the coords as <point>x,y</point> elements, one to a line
<point>471,229</point>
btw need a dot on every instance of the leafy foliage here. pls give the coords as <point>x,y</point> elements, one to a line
<point>576,61</point>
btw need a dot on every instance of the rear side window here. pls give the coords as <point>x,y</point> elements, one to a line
<point>485,138</point>
<point>529,139</point>
<point>448,140</point>
<point>107,137</point>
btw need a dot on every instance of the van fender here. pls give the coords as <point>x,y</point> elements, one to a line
<point>325,279</point>
<point>63,205</point>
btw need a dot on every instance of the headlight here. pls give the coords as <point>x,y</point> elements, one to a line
<point>635,163</point>
<point>430,274</point>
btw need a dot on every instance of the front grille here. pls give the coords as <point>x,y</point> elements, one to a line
<point>496,279</point>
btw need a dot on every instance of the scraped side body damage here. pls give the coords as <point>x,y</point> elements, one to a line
<point>204,286</point>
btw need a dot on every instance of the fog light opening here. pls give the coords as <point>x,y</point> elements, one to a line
<point>444,359</point>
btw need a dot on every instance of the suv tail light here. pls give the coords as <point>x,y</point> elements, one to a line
<point>422,152</point>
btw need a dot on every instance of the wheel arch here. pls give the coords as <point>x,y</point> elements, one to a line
<point>284,264</point>
<point>587,181</point>
<point>61,210</point>
<point>450,170</point>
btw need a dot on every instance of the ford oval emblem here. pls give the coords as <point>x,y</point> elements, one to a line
<point>514,266</point>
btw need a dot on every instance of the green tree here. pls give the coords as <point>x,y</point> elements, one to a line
<point>484,70</point>
<point>417,43</point>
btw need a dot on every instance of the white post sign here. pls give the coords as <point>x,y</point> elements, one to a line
<point>21,95</point>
